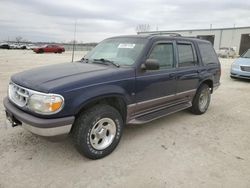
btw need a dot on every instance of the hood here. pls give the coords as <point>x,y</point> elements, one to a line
<point>46,78</point>
<point>243,61</point>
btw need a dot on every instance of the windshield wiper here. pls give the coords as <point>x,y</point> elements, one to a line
<point>107,61</point>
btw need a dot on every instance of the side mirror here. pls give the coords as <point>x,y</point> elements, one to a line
<point>150,64</point>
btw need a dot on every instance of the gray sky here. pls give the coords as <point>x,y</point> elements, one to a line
<point>53,20</point>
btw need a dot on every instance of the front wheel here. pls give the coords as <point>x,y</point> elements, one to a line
<point>40,51</point>
<point>97,131</point>
<point>201,100</point>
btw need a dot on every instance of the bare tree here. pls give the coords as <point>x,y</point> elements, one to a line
<point>142,28</point>
<point>19,39</point>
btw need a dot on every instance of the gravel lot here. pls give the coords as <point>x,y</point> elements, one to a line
<point>180,150</point>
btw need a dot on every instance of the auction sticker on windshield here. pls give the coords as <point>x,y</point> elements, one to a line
<point>126,45</point>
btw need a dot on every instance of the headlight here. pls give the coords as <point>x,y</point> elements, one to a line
<point>45,103</point>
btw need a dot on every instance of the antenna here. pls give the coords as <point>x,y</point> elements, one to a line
<point>74,43</point>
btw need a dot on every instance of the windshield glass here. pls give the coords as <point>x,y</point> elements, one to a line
<point>246,54</point>
<point>123,51</point>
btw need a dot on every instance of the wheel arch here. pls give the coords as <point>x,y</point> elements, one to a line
<point>117,101</point>
<point>208,82</point>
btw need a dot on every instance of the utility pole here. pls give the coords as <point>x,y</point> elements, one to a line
<point>74,43</point>
<point>211,26</point>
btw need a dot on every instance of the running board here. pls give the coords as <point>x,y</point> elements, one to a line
<point>158,114</point>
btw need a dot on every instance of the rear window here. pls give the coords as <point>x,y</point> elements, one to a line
<point>208,54</point>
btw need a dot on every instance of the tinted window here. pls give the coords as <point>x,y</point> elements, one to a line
<point>208,54</point>
<point>164,54</point>
<point>186,55</point>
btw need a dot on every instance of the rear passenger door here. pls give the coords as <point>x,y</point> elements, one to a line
<point>187,74</point>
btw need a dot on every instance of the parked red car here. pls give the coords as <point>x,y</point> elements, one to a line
<point>49,49</point>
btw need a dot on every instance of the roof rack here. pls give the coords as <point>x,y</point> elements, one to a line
<point>169,34</point>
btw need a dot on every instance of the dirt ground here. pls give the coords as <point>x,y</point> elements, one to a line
<point>180,150</point>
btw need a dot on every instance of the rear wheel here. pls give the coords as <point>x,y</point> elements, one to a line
<point>97,131</point>
<point>201,100</point>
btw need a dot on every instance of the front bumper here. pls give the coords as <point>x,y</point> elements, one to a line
<point>39,126</point>
<point>236,73</point>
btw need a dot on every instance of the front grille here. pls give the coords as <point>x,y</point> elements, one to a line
<point>245,68</point>
<point>18,94</point>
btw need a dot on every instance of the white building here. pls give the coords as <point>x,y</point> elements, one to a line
<point>236,37</point>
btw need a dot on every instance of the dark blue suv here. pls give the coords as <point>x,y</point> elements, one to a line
<point>123,80</point>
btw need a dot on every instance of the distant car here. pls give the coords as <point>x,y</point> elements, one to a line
<point>18,46</point>
<point>226,52</point>
<point>31,46</point>
<point>13,46</point>
<point>49,49</point>
<point>4,46</point>
<point>241,66</point>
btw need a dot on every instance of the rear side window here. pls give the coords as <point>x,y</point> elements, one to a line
<point>186,55</point>
<point>208,54</point>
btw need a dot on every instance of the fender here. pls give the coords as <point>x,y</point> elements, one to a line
<point>206,79</point>
<point>97,93</point>
<point>206,75</point>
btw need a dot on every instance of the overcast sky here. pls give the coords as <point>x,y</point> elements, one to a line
<point>53,20</point>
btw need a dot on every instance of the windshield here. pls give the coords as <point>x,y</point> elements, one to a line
<point>122,51</point>
<point>246,54</point>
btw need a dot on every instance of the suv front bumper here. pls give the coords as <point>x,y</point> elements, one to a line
<point>38,126</point>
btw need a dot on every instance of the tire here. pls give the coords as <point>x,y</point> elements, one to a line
<point>201,100</point>
<point>59,51</point>
<point>97,131</point>
<point>232,77</point>
<point>40,51</point>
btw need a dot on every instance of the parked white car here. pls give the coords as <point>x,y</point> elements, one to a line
<point>241,66</point>
<point>226,52</point>
<point>17,46</point>
<point>31,46</point>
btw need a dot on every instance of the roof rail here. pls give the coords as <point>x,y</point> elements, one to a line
<point>169,34</point>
